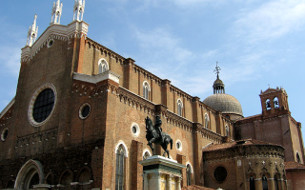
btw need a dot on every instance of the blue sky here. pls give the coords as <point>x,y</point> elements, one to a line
<point>258,43</point>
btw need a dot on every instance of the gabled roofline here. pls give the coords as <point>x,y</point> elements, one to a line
<point>3,112</point>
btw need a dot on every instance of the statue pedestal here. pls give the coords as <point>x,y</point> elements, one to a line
<point>161,173</point>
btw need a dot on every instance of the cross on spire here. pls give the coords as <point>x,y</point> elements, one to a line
<point>217,69</point>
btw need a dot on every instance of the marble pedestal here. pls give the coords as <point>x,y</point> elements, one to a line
<point>161,173</point>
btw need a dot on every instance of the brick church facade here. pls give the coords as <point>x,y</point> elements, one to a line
<point>78,122</point>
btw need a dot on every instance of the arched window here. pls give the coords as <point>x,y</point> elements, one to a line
<point>268,104</point>
<point>265,182</point>
<point>179,107</point>
<point>146,155</point>
<point>252,183</point>
<point>66,179</point>
<point>120,168</point>
<point>206,121</point>
<point>102,65</point>
<point>146,90</point>
<point>227,131</point>
<point>276,102</point>
<point>298,158</point>
<point>189,174</point>
<point>84,176</point>
<point>276,182</point>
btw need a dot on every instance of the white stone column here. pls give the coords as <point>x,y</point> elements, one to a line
<point>155,167</point>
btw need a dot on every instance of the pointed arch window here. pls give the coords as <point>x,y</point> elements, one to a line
<point>252,183</point>
<point>179,107</point>
<point>227,131</point>
<point>268,104</point>
<point>146,155</point>
<point>102,65</point>
<point>189,174</point>
<point>298,158</point>
<point>276,182</point>
<point>206,120</point>
<point>146,90</point>
<point>265,182</point>
<point>276,102</point>
<point>120,168</point>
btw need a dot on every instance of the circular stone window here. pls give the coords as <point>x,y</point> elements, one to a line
<point>50,43</point>
<point>179,145</point>
<point>220,174</point>
<point>135,130</point>
<point>42,104</point>
<point>84,111</point>
<point>4,134</point>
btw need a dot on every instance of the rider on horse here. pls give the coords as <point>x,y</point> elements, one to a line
<point>158,127</point>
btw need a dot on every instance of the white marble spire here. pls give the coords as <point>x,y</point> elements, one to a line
<point>32,33</point>
<point>56,12</point>
<point>78,10</point>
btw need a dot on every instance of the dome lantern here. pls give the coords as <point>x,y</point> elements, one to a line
<point>220,101</point>
<point>218,86</point>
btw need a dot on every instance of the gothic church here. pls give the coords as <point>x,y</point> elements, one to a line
<point>77,121</point>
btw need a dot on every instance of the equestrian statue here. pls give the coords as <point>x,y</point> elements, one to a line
<point>155,135</point>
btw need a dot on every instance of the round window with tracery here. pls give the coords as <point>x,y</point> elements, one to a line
<point>42,105</point>
<point>84,111</point>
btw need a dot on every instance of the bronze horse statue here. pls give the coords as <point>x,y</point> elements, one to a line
<point>155,135</point>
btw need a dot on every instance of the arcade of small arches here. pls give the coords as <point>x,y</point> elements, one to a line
<point>32,176</point>
<point>265,181</point>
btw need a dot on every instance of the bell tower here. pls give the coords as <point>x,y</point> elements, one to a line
<point>56,12</point>
<point>274,102</point>
<point>32,33</point>
<point>79,8</point>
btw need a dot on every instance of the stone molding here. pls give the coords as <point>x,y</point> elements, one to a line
<point>94,79</point>
<point>75,29</point>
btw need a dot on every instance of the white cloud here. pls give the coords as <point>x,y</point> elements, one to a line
<point>271,20</point>
<point>162,47</point>
<point>10,59</point>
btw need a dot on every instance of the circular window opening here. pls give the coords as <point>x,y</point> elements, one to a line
<point>135,130</point>
<point>179,145</point>
<point>220,174</point>
<point>43,105</point>
<point>4,134</point>
<point>50,43</point>
<point>84,111</point>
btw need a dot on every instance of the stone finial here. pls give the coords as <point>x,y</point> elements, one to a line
<point>56,12</point>
<point>32,33</point>
<point>78,10</point>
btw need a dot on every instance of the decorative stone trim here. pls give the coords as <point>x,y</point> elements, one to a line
<point>94,79</point>
<point>179,145</point>
<point>32,102</point>
<point>135,129</point>
<point>124,146</point>
<point>4,134</point>
<point>80,112</point>
<point>60,32</point>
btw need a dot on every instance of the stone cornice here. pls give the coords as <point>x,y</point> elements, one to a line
<point>106,51</point>
<point>245,151</point>
<point>94,79</point>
